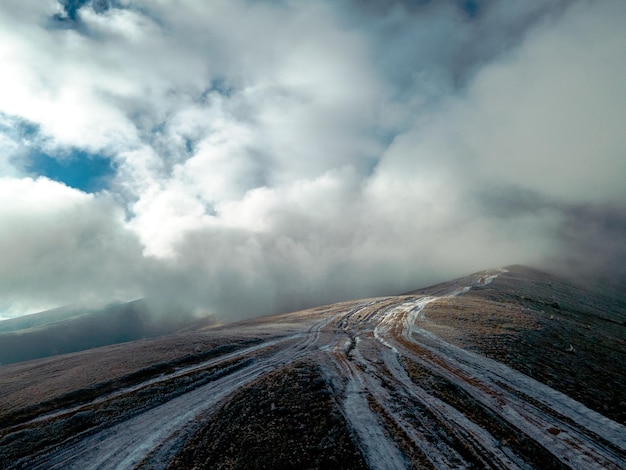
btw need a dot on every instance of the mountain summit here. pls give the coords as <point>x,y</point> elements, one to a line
<point>505,368</point>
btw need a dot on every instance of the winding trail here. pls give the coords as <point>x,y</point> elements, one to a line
<point>410,398</point>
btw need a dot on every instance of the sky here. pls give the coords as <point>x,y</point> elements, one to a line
<point>244,157</point>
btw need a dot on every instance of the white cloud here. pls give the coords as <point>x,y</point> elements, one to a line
<point>62,246</point>
<point>275,154</point>
<point>550,118</point>
<point>51,78</point>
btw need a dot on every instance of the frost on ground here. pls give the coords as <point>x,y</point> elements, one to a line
<point>394,382</point>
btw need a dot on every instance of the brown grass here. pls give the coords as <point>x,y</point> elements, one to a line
<point>29,384</point>
<point>288,419</point>
<point>534,337</point>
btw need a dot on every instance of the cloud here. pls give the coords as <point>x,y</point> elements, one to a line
<point>60,245</point>
<point>549,117</point>
<point>273,155</point>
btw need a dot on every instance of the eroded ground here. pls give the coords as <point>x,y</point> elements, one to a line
<point>449,378</point>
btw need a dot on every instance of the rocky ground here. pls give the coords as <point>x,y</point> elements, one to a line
<point>503,369</point>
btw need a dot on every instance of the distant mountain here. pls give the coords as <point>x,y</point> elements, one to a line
<point>505,368</point>
<point>72,329</point>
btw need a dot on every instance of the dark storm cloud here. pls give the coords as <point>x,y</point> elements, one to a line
<point>591,237</point>
<point>509,202</point>
<point>596,236</point>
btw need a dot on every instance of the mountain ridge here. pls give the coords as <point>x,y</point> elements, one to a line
<point>477,372</point>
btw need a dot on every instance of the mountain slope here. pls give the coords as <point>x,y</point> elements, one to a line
<point>474,373</point>
<point>557,332</point>
<point>70,329</point>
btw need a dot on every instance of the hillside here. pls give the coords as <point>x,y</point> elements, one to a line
<point>72,329</point>
<point>508,368</point>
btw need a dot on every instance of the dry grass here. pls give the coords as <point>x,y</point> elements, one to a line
<point>29,384</point>
<point>288,419</point>
<point>535,336</point>
<point>466,320</point>
<point>26,440</point>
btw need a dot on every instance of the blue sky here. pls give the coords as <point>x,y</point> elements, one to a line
<point>78,169</point>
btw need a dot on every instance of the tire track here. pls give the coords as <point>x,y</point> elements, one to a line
<point>410,398</point>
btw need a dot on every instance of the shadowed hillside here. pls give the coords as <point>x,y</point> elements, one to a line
<point>67,330</point>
